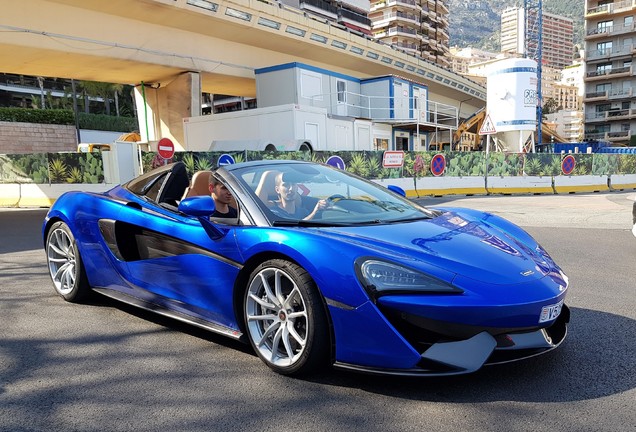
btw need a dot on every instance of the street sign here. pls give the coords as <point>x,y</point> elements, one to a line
<point>568,164</point>
<point>393,159</point>
<point>165,148</point>
<point>438,165</point>
<point>225,159</point>
<point>488,128</point>
<point>336,161</point>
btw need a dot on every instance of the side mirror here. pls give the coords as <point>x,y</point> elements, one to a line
<point>197,206</point>
<point>396,189</point>
<point>202,208</point>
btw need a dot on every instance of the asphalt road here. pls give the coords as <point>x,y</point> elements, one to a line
<point>108,367</point>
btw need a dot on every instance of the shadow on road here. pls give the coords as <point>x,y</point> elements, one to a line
<point>596,360</point>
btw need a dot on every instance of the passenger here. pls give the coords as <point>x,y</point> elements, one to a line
<point>288,204</point>
<point>222,199</point>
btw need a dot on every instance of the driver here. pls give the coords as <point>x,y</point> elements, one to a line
<point>287,204</point>
<point>222,199</point>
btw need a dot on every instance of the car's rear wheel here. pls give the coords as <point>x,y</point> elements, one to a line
<point>65,264</point>
<point>285,318</point>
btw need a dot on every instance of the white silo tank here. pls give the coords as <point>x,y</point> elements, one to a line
<point>512,101</point>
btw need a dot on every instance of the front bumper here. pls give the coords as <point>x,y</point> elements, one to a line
<point>468,355</point>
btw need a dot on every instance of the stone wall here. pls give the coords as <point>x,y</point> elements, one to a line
<point>36,138</point>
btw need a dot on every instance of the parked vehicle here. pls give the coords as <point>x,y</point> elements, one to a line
<point>356,276</point>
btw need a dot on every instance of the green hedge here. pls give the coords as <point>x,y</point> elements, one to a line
<point>105,122</point>
<point>49,116</point>
<point>65,117</point>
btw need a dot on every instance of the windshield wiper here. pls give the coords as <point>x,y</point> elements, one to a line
<point>307,223</point>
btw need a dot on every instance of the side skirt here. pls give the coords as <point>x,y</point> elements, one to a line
<point>160,310</point>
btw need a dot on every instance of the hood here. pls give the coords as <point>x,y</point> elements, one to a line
<point>460,243</point>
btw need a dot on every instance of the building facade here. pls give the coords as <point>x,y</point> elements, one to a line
<point>610,36</point>
<point>350,13</point>
<point>418,27</point>
<point>557,35</point>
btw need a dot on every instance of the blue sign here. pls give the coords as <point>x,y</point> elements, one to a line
<point>225,159</point>
<point>337,162</point>
<point>568,164</point>
<point>438,165</point>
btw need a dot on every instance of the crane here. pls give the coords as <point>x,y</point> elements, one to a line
<point>533,46</point>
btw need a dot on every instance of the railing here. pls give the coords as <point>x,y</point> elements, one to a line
<point>610,52</point>
<point>595,95</point>
<point>399,29</point>
<point>353,16</point>
<point>388,109</point>
<point>320,4</point>
<point>610,115</point>
<point>612,71</point>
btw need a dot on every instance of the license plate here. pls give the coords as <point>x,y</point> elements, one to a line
<point>551,312</point>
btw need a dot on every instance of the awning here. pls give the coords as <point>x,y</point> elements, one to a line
<point>358,29</point>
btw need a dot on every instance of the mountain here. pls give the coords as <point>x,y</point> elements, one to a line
<point>476,23</point>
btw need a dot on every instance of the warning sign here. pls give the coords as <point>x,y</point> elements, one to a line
<point>488,128</point>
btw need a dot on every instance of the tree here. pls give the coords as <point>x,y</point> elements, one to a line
<point>551,105</point>
<point>103,91</point>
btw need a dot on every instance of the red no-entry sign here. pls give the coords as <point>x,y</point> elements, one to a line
<point>165,148</point>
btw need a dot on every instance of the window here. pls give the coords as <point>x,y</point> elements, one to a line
<point>604,47</point>
<point>602,68</point>
<point>604,26</point>
<point>601,88</point>
<point>629,21</point>
<point>341,88</point>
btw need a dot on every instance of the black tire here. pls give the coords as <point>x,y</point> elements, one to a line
<point>285,318</point>
<point>65,264</point>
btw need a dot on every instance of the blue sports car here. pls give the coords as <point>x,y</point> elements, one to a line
<point>313,267</point>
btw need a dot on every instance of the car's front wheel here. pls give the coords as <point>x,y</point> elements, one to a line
<point>285,318</point>
<point>65,264</point>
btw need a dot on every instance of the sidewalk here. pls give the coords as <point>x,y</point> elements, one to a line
<point>606,210</point>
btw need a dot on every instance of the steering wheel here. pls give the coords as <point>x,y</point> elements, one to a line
<point>335,198</point>
<point>332,203</point>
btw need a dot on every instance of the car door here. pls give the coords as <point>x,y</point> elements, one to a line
<point>172,262</point>
<point>178,266</point>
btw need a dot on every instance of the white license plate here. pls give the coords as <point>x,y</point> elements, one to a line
<point>549,313</point>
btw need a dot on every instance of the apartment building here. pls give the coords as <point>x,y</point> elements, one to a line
<point>463,58</point>
<point>349,13</point>
<point>610,37</point>
<point>418,27</point>
<point>557,36</point>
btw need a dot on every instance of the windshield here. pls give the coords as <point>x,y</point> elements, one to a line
<point>313,194</point>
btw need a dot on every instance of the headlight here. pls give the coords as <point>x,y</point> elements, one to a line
<point>381,276</point>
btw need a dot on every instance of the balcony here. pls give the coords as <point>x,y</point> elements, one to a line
<point>614,137</point>
<point>595,96</point>
<point>609,73</point>
<point>605,54</point>
<point>611,8</point>
<point>402,31</point>
<point>610,116</point>
<point>394,17</point>
<point>320,7</point>
<point>621,94</point>
<point>410,4</point>
<point>599,10</point>
<point>356,18</point>
<point>619,137</point>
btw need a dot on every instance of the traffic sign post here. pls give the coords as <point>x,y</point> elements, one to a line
<point>165,148</point>
<point>225,159</point>
<point>488,128</point>
<point>438,165</point>
<point>568,164</point>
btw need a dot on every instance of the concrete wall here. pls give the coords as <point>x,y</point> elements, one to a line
<point>36,138</point>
